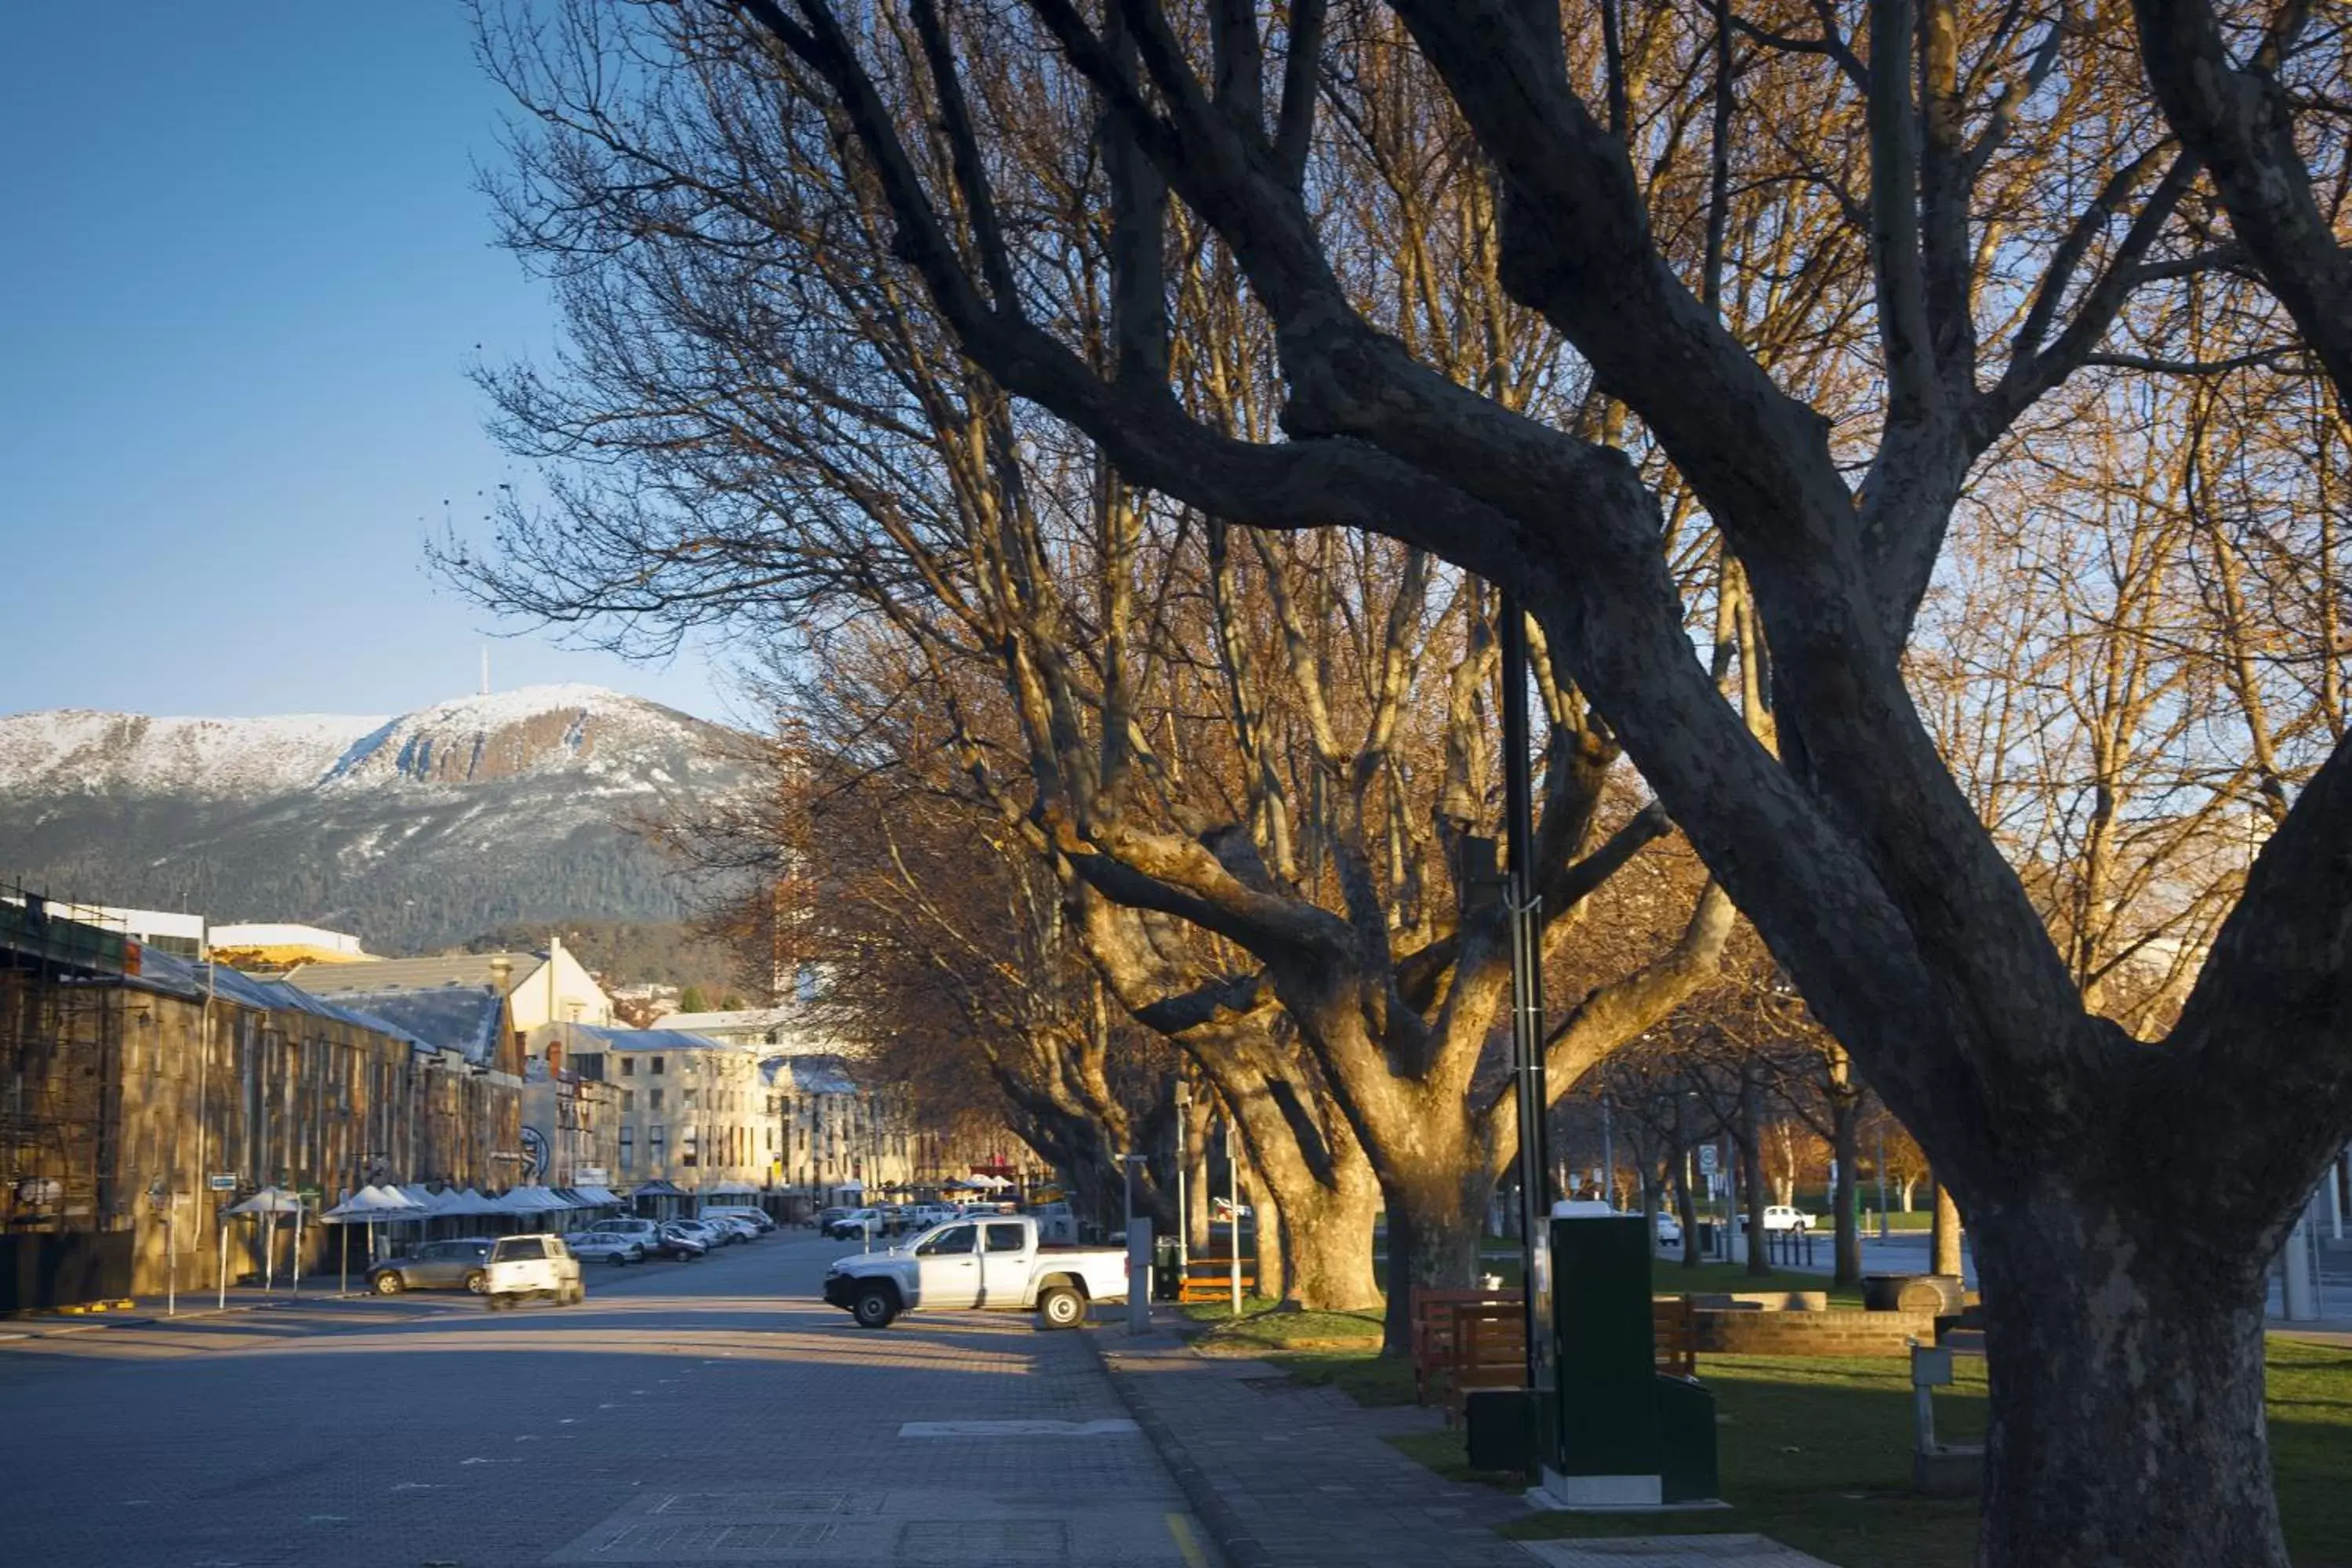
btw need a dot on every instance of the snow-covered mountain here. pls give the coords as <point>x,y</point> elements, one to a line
<point>413,831</point>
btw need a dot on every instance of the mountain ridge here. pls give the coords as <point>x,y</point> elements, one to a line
<point>415,829</point>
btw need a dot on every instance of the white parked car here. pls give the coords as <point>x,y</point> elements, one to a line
<point>1780,1217</point>
<point>1670,1229</point>
<point>757,1218</point>
<point>524,1266</point>
<point>995,1263</point>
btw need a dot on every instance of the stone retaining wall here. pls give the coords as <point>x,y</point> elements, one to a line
<point>1743,1330</point>
<point>1764,1301</point>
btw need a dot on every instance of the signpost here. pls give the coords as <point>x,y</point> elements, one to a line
<point>1707,1173</point>
<point>222,1182</point>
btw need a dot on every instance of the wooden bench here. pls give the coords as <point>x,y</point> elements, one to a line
<point>1673,1336</point>
<point>1436,1334</point>
<point>1465,1339</point>
<point>1490,1350</point>
<point>1211,1279</point>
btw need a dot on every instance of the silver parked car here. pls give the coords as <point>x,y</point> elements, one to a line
<point>611,1247</point>
<point>457,1265</point>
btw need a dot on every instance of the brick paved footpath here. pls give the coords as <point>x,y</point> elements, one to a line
<point>1304,1475</point>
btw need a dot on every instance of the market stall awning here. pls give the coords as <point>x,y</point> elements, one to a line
<point>269,1200</point>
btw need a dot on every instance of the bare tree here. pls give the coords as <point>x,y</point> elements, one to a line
<point>2125,1314</point>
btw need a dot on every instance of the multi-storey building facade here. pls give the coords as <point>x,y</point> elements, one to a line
<point>692,1111</point>
<point>141,1094</point>
<point>829,1137</point>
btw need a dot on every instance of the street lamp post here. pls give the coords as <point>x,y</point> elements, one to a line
<point>1527,996</point>
<point>1183,1158</point>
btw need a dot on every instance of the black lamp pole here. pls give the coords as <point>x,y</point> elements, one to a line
<point>1527,997</point>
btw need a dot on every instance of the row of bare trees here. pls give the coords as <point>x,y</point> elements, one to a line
<point>1911,428</point>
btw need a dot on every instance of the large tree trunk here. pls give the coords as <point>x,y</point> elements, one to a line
<point>1436,1213</point>
<point>1845,1116</point>
<point>1195,1134</point>
<point>1272,1242</point>
<point>1751,1176</point>
<point>1944,1236</point>
<point>1325,1215</point>
<point>2127,1423</point>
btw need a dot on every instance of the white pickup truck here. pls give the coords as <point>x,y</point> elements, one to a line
<point>992,1262</point>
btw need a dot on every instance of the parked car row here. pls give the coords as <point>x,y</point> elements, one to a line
<point>466,1263</point>
<point>895,1219</point>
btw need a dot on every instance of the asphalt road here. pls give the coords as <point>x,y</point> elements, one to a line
<point>704,1413</point>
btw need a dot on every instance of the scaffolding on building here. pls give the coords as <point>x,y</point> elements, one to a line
<point>61,1022</point>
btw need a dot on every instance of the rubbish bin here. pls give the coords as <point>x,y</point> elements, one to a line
<point>1167,1276</point>
<point>1938,1294</point>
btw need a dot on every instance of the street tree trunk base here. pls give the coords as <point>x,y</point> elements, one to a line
<point>2127,1424</point>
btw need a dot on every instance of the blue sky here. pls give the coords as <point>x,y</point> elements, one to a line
<point>243,268</point>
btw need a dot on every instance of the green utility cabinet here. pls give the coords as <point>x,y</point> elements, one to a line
<point>1609,1433</point>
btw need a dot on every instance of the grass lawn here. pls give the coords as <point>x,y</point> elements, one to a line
<point>1669,1278</point>
<point>1817,1454</point>
<point>1366,1379</point>
<point>1261,1328</point>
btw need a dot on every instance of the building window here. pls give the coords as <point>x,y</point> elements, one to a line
<point>628,1149</point>
<point>688,1098</point>
<point>658,1064</point>
<point>654,1147</point>
<point>628,1066</point>
<point>687,1148</point>
<point>654,1099</point>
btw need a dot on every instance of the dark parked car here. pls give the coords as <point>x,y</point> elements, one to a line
<point>680,1243</point>
<point>436,1266</point>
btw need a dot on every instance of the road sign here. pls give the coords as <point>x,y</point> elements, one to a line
<point>311,1193</point>
<point>222,1183</point>
<point>1706,1159</point>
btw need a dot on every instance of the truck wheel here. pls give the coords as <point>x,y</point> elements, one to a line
<point>1059,1307</point>
<point>874,1308</point>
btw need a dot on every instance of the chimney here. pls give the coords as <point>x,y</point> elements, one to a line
<point>501,973</point>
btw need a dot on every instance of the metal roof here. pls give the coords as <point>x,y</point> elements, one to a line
<point>463,969</point>
<point>599,1038</point>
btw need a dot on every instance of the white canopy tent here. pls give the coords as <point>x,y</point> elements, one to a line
<point>368,1206</point>
<point>265,1205</point>
<point>468,1202</point>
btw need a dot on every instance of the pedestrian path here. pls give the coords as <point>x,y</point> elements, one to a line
<point>1287,1477</point>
